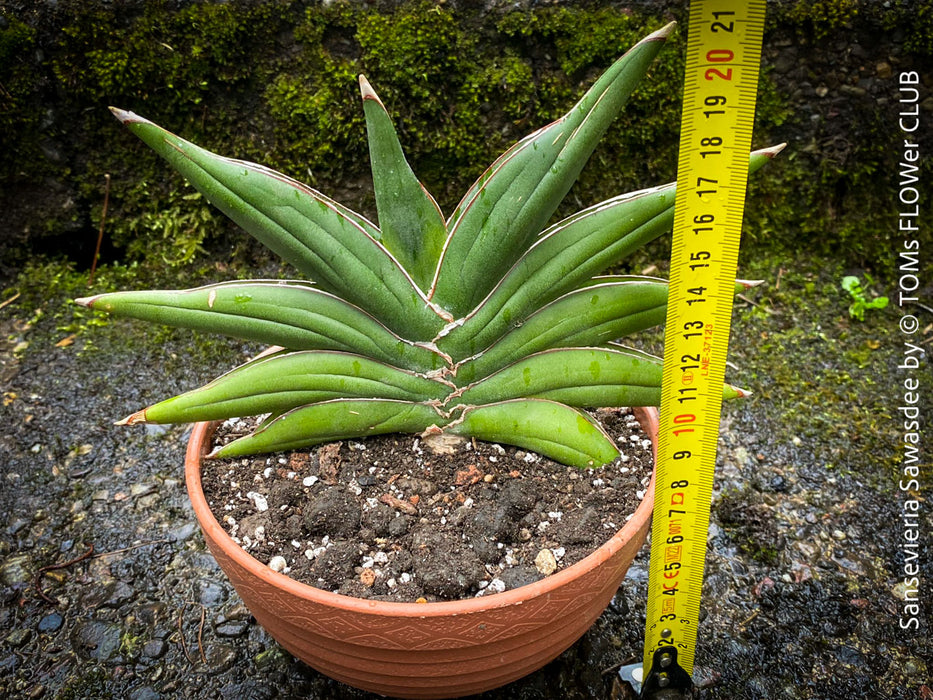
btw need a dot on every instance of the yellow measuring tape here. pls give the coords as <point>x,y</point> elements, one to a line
<point>723,58</point>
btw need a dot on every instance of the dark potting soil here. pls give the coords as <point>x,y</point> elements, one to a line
<point>390,518</point>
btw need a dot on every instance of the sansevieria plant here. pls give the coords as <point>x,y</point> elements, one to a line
<point>486,324</point>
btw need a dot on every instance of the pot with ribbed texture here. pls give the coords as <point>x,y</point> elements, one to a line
<point>431,650</point>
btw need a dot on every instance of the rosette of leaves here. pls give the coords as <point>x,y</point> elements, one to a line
<point>488,324</point>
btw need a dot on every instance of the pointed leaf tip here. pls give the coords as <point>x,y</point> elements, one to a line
<point>133,418</point>
<point>749,284</point>
<point>773,150</point>
<point>662,33</point>
<point>411,223</point>
<point>366,90</point>
<point>123,115</point>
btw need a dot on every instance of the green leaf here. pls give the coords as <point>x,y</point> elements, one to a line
<point>295,315</point>
<point>510,203</point>
<point>604,310</point>
<point>581,377</point>
<point>333,245</point>
<point>556,431</point>
<point>412,225</point>
<point>567,255</point>
<point>852,285</point>
<point>339,419</point>
<point>283,381</point>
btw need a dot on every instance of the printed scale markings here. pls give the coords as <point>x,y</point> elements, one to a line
<point>723,58</point>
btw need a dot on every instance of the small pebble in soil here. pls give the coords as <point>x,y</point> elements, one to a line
<point>545,562</point>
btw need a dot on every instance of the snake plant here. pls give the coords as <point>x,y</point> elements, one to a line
<point>488,324</point>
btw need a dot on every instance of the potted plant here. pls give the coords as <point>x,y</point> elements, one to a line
<point>486,325</point>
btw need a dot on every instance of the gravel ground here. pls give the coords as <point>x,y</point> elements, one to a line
<point>805,572</point>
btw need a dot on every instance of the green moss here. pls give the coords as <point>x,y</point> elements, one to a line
<point>94,683</point>
<point>173,229</point>
<point>172,57</point>
<point>819,371</point>
<point>822,17</point>
<point>277,83</point>
<point>915,19</point>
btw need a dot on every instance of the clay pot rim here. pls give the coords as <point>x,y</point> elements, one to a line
<point>198,445</point>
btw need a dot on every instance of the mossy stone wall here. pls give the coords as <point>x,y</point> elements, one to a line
<point>277,83</point>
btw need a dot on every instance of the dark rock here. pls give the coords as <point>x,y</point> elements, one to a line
<point>785,63</point>
<point>858,52</point>
<point>18,637</point>
<point>96,595</point>
<point>231,628</point>
<point>144,693</point>
<point>220,657</point>
<point>210,593</point>
<point>17,570</point>
<point>183,532</point>
<point>96,639</point>
<point>778,484</point>
<point>619,604</point>
<point>9,663</point>
<point>248,690</point>
<point>150,612</point>
<point>237,612</point>
<point>50,623</point>
<point>155,648</point>
<point>852,91</point>
<point>17,525</point>
<point>120,593</point>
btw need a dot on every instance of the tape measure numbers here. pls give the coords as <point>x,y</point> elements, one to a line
<point>723,58</point>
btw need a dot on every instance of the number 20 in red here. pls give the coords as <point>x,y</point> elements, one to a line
<point>719,56</point>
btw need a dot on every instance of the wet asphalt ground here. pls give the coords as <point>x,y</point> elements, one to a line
<point>107,590</point>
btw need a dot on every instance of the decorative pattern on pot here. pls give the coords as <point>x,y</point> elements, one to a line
<point>431,650</point>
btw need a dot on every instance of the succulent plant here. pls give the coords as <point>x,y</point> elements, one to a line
<point>489,324</point>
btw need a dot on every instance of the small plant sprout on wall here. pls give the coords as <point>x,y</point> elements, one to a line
<point>860,301</point>
<point>486,324</point>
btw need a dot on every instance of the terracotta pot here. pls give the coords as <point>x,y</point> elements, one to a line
<point>432,650</point>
